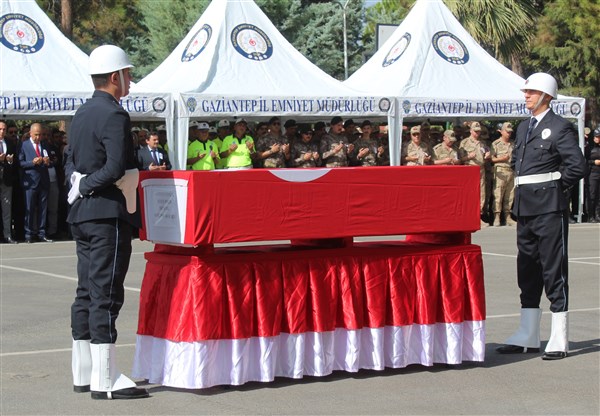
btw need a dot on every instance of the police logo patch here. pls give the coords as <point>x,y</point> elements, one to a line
<point>450,48</point>
<point>406,106</point>
<point>251,42</point>
<point>21,33</point>
<point>397,50</point>
<point>159,105</point>
<point>575,109</point>
<point>384,104</point>
<point>191,104</point>
<point>196,44</point>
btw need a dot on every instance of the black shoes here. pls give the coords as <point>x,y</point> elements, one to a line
<point>29,240</point>
<point>123,394</point>
<point>81,389</point>
<point>554,355</point>
<point>515,349</point>
<point>45,240</point>
<point>10,240</point>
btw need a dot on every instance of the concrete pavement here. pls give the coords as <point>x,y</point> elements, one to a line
<point>37,284</point>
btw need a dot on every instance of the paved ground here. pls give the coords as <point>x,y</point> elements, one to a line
<point>37,284</point>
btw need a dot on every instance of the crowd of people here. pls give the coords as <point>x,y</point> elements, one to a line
<point>33,187</point>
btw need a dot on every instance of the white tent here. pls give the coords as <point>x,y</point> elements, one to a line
<point>434,68</point>
<point>43,74</point>
<point>234,62</point>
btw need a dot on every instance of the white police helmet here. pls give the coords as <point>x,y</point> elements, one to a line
<point>107,59</point>
<point>543,82</point>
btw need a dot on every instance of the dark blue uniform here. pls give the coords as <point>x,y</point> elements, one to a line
<point>541,208</point>
<point>101,148</point>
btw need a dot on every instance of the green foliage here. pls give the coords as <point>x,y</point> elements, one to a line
<point>98,22</point>
<point>166,23</point>
<point>567,45</point>
<point>503,27</point>
<point>320,36</point>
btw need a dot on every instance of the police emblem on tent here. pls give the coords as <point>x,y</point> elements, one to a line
<point>159,105</point>
<point>21,33</point>
<point>397,50</point>
<point>384,104</point>
<point>406,106</point>
<point>197,44</point>
<point>451,48</point>
<point>251,42</point>
<point>191,104</point>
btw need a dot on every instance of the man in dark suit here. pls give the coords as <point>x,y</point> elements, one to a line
<point>7,176</point>
<point>35,180</point>
<point>151,156</point>
<point>547,161</point>
<point>101,166</point>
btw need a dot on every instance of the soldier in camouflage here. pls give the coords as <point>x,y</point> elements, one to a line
<point>304,152</point>
<point>274,148</point>
<point>367,151</point>
<point>504,177</point>
<point>474,153</point>
<point>415,152</point>
<point>445,153</point>
<point>334,146</point>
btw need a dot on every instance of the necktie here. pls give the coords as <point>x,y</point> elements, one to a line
<point>37,150</point>
<point>532,125</point>
<point>155,157</point>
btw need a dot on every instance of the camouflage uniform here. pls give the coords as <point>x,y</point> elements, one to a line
<point>299,149</point>
<point>384,160</point>
<point>371,159</point>
<point>329,158</point>
<point>470,145</point>
<point>441,152</point>
<point>275,160</point>
<point>420,150</point>
<point>504,177</point>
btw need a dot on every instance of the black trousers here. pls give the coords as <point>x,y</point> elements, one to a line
<point>542,262</point>
<point>594,196</point>
<point>103,253</point>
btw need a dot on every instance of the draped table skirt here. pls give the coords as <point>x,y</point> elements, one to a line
<point>252,314</point>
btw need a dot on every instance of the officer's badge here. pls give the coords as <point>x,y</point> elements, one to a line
<point>546,133</point>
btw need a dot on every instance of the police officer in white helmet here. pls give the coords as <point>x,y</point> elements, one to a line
<point>547,161</point>
<point>101,168</point>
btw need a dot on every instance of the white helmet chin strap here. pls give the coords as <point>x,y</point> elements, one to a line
<point>537,105</point>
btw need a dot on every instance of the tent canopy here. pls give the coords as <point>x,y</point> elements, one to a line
<point>436,69</point>
<point>235,62</point>
<point>44,74</point>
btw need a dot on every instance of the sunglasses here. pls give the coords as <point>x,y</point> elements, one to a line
<point>415,134</point>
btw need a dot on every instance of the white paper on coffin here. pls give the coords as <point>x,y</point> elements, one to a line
<point>165,205</point>
<point>194,365</point>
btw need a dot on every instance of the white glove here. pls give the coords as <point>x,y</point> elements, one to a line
<point>128,186</point>
<point>74,193</point>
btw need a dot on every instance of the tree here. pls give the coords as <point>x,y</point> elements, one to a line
<point>567,44</point>
<point>167,23</point>
<point>99,22</point>
<point>320,37</point>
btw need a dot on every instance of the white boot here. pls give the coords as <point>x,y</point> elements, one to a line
<point>528,334</point>
<point>558,344</point>
<point>107,382</point>
<point>81,364</point>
